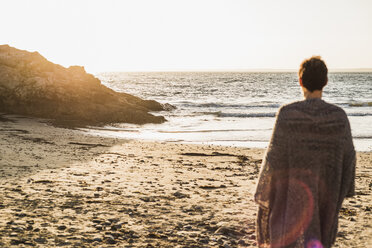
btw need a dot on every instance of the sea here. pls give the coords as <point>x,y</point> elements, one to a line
<point>233,108</point>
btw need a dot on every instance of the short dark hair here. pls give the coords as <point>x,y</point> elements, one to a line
<point>313,72</point>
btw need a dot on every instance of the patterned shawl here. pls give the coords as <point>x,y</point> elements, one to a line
<point>308,169</point>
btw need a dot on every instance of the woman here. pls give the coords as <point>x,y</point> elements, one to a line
<point>308,169</point>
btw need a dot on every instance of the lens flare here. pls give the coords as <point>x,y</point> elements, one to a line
<point>293,208</point>
<point>314,243</point>
<point>299,221</point>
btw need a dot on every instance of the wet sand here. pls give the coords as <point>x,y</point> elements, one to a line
<point>65,188</point>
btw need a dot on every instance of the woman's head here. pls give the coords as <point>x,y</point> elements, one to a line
<point>313,73</point>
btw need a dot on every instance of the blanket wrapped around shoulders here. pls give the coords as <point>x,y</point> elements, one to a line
<point>308,170</point>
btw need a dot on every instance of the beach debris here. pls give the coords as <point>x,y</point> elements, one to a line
<point>42,181</point>
<point>87,144</point>
<point>205,154</point>
<point>212,186</point>
<point>180,195</point>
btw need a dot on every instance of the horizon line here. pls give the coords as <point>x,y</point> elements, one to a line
<point>330,70</point>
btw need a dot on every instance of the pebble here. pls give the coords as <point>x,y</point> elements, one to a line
<point>227,231</point>
<point>180,195</point>
<point>226,245</point>
<point>61,228</point>
<point>110,241</point>
<point>99,227</point>
<point>204,241</point>
<point>97,239</point>
<point>242,242</point>
<point>18,229</point>
<point>40,240</point>
<point>188,227</point>
<point>114,228</point>
<point>31,222</point>
<point>113,220</point>
<point>17,241</point>
<point>62,243</point>
<point>72,230</point>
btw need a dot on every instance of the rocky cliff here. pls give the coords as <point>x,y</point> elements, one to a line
<point>31,85</point>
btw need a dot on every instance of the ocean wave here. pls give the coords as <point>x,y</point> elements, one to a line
<point>236,115</point>
<point>227,105</point>
<point>214,130</point>
<point>229,81</point>
<point>360,104</point>
<point>247,115</point>
<point>353,104</point>
<point>359,114</point>
<point>266,114</point>
<point>258,105</point>
<point>362,137</point>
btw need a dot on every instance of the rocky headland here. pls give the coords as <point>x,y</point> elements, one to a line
<point>33,86</point>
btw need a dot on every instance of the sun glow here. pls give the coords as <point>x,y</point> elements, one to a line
<point>190,35</point>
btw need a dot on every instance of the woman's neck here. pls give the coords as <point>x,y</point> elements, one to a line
<point>311,95</point>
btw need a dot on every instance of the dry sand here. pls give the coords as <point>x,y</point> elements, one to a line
<point>62,187</point>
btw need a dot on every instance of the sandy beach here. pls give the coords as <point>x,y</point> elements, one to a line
<point>63,187</point>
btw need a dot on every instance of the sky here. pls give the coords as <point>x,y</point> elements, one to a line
<point>183,35</point>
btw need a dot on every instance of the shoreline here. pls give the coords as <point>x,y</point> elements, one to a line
<point>64,187</point>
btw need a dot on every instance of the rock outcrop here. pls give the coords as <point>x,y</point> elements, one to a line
<point>31,85</point>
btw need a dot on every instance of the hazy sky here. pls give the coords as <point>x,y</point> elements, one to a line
<point>126,35</point>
